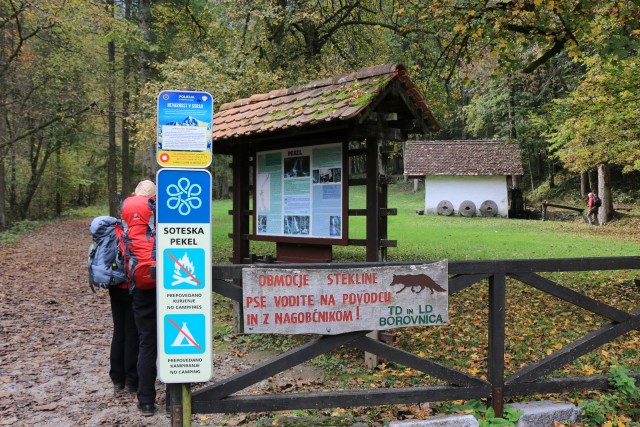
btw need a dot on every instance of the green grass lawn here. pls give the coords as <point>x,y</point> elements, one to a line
<point>536,323</point>
<point>422,237</point>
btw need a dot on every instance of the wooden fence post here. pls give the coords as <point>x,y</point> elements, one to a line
<point>180,404</point>
<point>497,289</point>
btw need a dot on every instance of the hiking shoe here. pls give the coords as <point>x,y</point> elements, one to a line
<point>147,409</point>
<point>130,388</point>
<point>118,387</point>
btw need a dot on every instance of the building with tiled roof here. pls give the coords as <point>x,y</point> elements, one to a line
<point>462,158</point>
<point>470,178</point>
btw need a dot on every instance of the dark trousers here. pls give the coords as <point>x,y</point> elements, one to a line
<point>144,310</point>
<point>124,343</point>
<point>593,216</point>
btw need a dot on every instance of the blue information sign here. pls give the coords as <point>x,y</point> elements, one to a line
<point>184,196</point>
<point>184,296</point>
<point>184,268</point>
<point>184,334</point>
<point>184,129</point>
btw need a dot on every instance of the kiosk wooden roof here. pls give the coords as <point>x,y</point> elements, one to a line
<point>332,105</point>
<point>375,104</point>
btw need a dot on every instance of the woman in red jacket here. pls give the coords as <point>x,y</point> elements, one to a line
<point>592,207</point>
<point>138,215</point>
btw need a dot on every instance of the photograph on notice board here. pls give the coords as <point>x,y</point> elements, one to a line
<point>262,223</point>
<point>296,225</point>
<point>297,167</point>
<point>327,175</point>
<point>335,226</point>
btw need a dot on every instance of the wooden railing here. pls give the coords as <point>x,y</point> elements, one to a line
<point>532,379</point>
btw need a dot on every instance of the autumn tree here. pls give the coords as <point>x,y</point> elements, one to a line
<point>597,125</point>
<point>306,39</point>
<point>43,107</point>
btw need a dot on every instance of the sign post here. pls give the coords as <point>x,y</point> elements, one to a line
<point>183,238</point>
<point>184,131</point>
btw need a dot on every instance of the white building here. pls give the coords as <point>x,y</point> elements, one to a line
<point>469,178</point>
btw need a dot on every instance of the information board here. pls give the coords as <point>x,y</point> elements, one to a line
<point>183,239</point>
<point>332,301</point>
<point>299,192</point>
<point>184,129</point>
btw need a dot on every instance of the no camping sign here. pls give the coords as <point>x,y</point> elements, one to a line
<point>335,301</point>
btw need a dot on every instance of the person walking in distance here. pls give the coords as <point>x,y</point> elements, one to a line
<point>138,214</point>
<point>593,204</point>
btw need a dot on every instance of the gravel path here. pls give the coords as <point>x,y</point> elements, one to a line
<point>55,336</point>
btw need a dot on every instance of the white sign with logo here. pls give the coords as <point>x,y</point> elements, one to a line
<point>330,301</point>
<point>184,275</point>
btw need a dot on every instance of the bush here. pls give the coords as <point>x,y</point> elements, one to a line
<point>623,399</point>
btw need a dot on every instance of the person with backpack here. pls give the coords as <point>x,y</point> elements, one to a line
<point>107,271</point>
<point>124,344</point>
<point>593,204</point>
<point>138,218</point>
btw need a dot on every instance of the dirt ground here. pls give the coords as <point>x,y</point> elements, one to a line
<point>55,336</point>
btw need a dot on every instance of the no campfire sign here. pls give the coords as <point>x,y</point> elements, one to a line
<point>338,301</point>
<point>184,275</point>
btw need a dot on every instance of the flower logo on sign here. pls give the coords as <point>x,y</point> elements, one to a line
<point>183,196</point>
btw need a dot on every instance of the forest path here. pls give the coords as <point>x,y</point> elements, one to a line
<point>54,351</point>
<point>55,335</point>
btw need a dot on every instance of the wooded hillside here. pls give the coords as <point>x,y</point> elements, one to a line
<point>80,78</point>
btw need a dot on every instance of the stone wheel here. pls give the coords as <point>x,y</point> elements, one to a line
<point>467,208</point>
<point>445,208</point>
<point>489,208</point>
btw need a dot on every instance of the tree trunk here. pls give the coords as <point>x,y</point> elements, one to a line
<point>584,183</point>
<point>112,177</point>
<point>13,191</point>
<point>3,215</point>
<point>126,105</point>
<point>530,169</point>
<point>59,184</point>
<point>593,181</point>
<point>145,27</point>
<point>605,213</point>
<point>127,67</point>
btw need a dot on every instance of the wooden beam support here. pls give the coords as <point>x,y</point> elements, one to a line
<point>357,152</point>
<point>357,181</point>
<point>391,134</point>
<point>383,212</point>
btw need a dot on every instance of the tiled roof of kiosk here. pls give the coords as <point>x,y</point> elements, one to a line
<point>428,158</point>
<point>338,98</point>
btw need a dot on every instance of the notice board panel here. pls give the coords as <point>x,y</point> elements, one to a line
<point>300,195</point>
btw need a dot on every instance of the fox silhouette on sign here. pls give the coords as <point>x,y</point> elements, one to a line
<point>413,281</point>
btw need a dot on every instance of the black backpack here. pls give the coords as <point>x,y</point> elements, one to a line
<point>596,201</point>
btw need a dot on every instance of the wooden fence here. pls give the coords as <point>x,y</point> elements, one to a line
<point>221,396</point>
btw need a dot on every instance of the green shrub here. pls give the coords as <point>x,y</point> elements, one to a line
<point>19,229</point>
<point>624,398</point>
<point>485,415</point>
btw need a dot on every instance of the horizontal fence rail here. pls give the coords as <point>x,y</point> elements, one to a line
<point>222,397</point>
